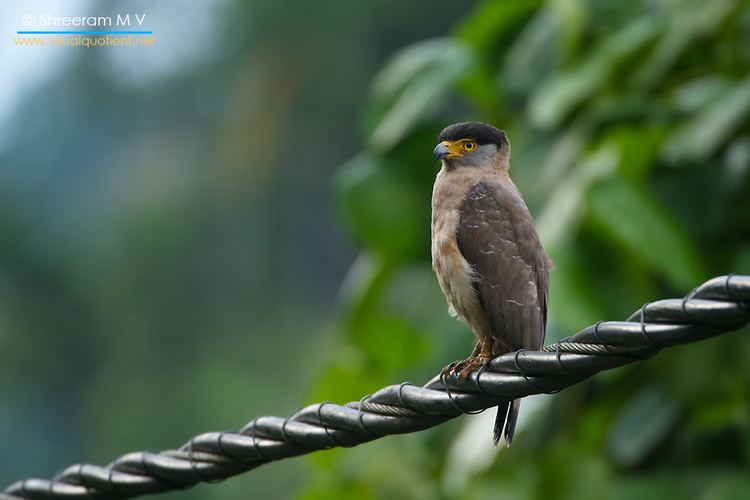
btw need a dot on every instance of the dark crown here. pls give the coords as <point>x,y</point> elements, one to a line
<point>479,132</point>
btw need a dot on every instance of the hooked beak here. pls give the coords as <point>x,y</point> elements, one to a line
<point>440,152</point>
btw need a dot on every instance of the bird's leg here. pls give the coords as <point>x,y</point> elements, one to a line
<point>477,359</point>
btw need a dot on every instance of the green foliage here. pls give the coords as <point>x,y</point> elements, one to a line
<point>411,87</point>
<point>374,200</point>
<point>629,124</point>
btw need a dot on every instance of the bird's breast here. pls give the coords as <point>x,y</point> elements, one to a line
<point>455,275</point>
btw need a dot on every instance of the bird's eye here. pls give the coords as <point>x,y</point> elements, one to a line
<point>470,146</point>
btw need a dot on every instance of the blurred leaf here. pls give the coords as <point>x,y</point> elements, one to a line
<point>700,92</point>
<point>490,20</point>
<point>568,148</point>
<point>737,161</point>
<point>382,210</point>
<point>556,98</point>
<point>565,206</point>
<point>573,16</point>
<point>701,136</point>
<point>636,220</point>
<point>412,86</point>
<point>638,147</point>
<point>686,21</point>
<point>532,54</point>
<point>644,423</point>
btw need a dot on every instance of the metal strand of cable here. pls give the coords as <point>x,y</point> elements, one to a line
<point>720,305</point>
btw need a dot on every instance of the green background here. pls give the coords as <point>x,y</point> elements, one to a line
<point>235,222</point>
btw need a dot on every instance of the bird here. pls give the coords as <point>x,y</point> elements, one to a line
<point>486,253</point>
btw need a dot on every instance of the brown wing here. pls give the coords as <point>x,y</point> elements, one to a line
<point>496,235</point>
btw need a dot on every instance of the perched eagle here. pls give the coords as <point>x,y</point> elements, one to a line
<point>486,252</point>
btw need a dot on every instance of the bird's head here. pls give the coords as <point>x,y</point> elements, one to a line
<point>472,144</point>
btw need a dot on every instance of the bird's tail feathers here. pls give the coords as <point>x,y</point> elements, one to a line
<point>505,421</point>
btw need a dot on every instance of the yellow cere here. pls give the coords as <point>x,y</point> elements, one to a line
<point>460,147</point>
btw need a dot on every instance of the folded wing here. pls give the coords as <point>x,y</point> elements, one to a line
<point>496,235</point>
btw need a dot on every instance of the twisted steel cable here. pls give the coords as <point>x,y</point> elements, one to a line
<point>718,306</point>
